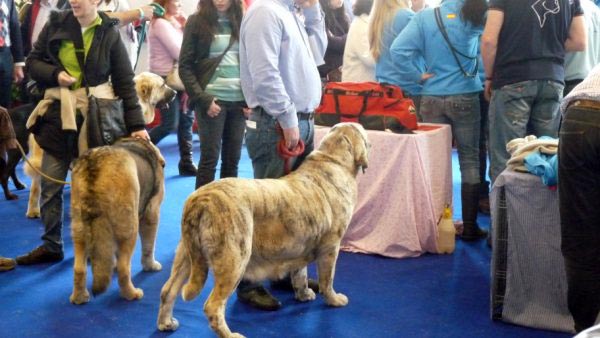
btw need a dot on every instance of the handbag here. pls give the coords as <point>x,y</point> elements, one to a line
<point>377,106</point>
<point>173,80</point>
<point>105,121</point>
<point>205,68</point>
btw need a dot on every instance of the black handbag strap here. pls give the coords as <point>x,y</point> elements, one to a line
<point>440,24</point>
<point>80,53</point>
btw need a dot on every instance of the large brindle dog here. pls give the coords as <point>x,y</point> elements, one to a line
<point>266,228</point>
<point>116,192</point>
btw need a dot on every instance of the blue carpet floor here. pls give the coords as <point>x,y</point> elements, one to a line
<point>429,296</point>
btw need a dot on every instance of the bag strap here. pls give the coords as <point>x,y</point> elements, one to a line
<point>440,24</point>
<point>337,92</point>
<point>80,53</point>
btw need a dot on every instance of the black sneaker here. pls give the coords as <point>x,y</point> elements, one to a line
<point>258,297</point>
<point>40,255</point>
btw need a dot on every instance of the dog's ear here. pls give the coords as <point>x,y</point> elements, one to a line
<point>361,146</point>
<point>145,91</point>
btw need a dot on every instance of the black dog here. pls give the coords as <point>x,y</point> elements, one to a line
<point>18,116</point>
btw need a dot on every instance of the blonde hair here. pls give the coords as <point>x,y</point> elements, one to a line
<point>382,14</point>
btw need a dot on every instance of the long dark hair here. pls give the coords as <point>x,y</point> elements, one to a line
<point>473,11</point>
<point>209,23</point>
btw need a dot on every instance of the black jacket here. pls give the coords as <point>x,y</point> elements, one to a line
<point>106,59</point>
<point>194,49</point>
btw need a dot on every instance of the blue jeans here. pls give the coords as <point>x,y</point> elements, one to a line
<point>579,201</point>
<point>172,117</point>
<point>222,136</point>
<point>518,110</point>
<point>6,76</point>
<point>262,139</point>
<point>462,113</point>
<point>51,201</point>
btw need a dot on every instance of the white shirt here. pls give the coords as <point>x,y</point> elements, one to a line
<point>358,65</point>
<point>128,34</point>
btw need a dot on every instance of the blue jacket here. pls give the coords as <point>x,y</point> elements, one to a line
<point>422,39</point>
<point>386,70</point>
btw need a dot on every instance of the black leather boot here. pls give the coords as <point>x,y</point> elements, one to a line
<point>470,205</point>
<point>186,163</point>
<point>255,295</point>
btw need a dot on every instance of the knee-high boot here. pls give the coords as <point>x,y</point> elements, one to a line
<point>470,205</point>
<point>186,162</point>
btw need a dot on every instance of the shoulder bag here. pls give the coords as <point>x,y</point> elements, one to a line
<point>105,121</point>
<point>440,24</point>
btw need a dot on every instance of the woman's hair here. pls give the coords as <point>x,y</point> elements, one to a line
<point>362,7</point>
<point>382,14</point>
<point>209,23</point>
<point>473,11</point>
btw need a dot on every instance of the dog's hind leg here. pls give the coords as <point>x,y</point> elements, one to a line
<point>326,269</point>
<point>124,252</point>
<point>80,293</point>
<point>148,228</point>
<point>179,273</point>
<point>35,158</point>
<point>226,280</point>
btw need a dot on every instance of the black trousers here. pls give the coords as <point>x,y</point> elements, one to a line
<point>579,199</point>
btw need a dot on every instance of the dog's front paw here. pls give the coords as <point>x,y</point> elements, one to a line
<point>132,294</point>
<point>79,298</point>
<point>336,299</point>
<point>153,266</point>
<point>236,335</point>
<point>10,196</point>
<point>305,295</point>
<point>33,213</point>
<point>170,325</point>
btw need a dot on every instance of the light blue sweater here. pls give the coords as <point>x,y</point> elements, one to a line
<point>422,39</point>
<point>386,70</point>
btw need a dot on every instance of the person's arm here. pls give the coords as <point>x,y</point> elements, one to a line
<point>166,33</point>
<point>129,16</point>
<point>314,23</point>
<point>577,40</point>
<point>41,71</point>
<point>407,47</point>
<point>16,46</point>
<point>489,45</point>
<point>187,64</point>
<point>121,75</point>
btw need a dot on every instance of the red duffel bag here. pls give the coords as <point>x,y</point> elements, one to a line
<point>376,106</point>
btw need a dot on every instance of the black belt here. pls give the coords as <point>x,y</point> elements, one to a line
<point>302,116</point>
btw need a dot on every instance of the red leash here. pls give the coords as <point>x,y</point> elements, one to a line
<point>286,154</point>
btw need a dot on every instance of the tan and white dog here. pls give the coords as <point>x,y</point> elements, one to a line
<point>152,92</point>
<point>116,193</point>
<point>266,228</point>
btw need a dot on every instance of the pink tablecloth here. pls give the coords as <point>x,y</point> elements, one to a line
<point>402,195</point>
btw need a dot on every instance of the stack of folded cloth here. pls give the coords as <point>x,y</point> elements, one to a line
<point>535,155</point>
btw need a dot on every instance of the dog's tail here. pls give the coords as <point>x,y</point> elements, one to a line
<point>102,254</point>
<point>199,266</point>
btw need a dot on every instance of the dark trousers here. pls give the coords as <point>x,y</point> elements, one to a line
<point>579,197</point>
<point>222,136</point>
<point>6,74</point>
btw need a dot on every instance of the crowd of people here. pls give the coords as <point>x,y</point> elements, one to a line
<point>258,74</point>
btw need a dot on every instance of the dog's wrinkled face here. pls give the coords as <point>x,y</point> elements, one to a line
<point>152,92</point>
<point>356,137</point>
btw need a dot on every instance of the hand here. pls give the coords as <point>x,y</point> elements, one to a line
<point>247,112</point>
<point>214,109</point>
<point>148,12</point>
<point>291,136</point>
<point>306,3</point>
<point>487,92</point>
<point>65,80</point>
<point>426,76</point>
<point>143,134</point>
<point>18,74</point>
